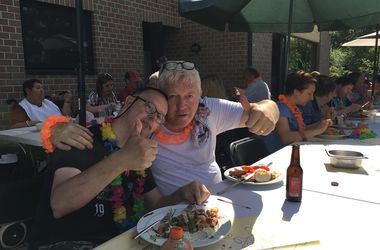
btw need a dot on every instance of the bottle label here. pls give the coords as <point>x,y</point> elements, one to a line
<point>295,186</point>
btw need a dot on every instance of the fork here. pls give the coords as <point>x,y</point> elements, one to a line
<point>167,217</point>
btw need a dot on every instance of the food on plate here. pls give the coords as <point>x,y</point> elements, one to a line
<point>358,115</point>
<point>197,224</point>
<point>350,125</point>
<point>333,131</point>
<point>261,173</point>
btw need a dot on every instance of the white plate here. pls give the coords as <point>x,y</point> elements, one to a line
<point>225,225</point>
<point>276,180</point>
<point>344,126</point>
<point>331,137</point>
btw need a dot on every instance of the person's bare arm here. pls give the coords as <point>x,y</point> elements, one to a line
<point>288,136</point>
<point>97,109</point>
<point>67,135</point>
<point>192,192</point>
<point>66,108</point>
<point>73,189</point>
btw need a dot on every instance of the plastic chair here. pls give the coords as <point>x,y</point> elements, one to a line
<point>247,151</point>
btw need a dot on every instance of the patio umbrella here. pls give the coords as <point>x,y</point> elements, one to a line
<point>273,15</point>
<point>368,40</point>
<point>283,16</point>
<point>81,59</point>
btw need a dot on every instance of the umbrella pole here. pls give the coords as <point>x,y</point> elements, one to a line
<point>287,45</point>
<point>81,85</point>
<point>376,60</point>
<point>249,48</point>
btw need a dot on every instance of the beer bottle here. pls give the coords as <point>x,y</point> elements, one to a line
<point>176,240</point>
<point>294,177</point>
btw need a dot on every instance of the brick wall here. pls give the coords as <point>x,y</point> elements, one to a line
<point>118,45</point>
<point>222,53</point>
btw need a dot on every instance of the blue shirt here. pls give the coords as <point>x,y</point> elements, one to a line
<point>273,141</point>
<point>340,102</point>
<point>311,113</point>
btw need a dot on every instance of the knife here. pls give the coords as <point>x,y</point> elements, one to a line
<point>236,183</point>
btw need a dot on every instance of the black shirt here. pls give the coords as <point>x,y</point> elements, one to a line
<point>93,222</point>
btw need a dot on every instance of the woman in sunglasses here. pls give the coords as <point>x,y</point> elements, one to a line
<point>187,139</point>
<point>101,102</point>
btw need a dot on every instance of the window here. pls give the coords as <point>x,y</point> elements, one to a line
<point>50,38</point>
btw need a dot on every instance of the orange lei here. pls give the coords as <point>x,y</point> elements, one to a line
<point>50,122</point>
<point>295,111</point>
<point>173,139</point>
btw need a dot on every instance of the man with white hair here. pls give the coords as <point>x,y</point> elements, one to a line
<point>187,139</point>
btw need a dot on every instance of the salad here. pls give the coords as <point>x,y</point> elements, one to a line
<point>197,224</point>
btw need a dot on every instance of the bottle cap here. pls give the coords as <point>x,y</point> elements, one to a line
<point>176,233</point>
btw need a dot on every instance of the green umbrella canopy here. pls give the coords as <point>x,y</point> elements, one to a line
<point>273,15</point>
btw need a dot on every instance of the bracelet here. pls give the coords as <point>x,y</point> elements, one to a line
<point>27,123</point>
<point>302,134</point>
<point>46,129</point>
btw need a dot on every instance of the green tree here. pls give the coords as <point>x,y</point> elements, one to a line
<point>345,59</point>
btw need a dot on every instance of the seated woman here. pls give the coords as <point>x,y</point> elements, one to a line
<point>341,102</point>
<point>35,108</point>
<point>102,101</point>
<point>317,108</point>
<point>299,90</point>
<point>359,90</point>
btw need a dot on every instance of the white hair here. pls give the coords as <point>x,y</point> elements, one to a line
<point>178,75</point>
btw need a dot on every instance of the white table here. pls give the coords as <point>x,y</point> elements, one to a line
<point>346,216</point>
<point>320,221</point>
<point>27,135</point>
<point>329,217</point>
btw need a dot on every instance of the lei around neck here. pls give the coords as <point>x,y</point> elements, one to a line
<point>123,220</point>
<point>295,111</point>
<point>164,138</point>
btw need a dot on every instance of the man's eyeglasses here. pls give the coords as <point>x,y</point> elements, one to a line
<point>151,109</point>
<point>172,65</point>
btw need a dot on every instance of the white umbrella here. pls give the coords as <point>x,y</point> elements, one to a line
<point>368,40</point>
<point>371,39</point>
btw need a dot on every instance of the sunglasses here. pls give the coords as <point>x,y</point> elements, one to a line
<point>172,65</point>
<point>151,109</point>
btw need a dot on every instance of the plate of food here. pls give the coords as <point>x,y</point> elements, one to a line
<point>347,125</point>
<point>263,175</point>
<point>203,225</point>
<point>358,116</point>
<point>333,133</point>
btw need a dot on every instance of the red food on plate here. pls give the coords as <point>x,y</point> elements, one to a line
<point>251,169</point>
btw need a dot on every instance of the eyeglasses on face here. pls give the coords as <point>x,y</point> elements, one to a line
<point>172,65</point>
<point>151,109</point>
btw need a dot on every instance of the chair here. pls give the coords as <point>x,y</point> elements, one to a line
<point>223,141</point>
<point>20,188</point>
<point>247,151</point>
